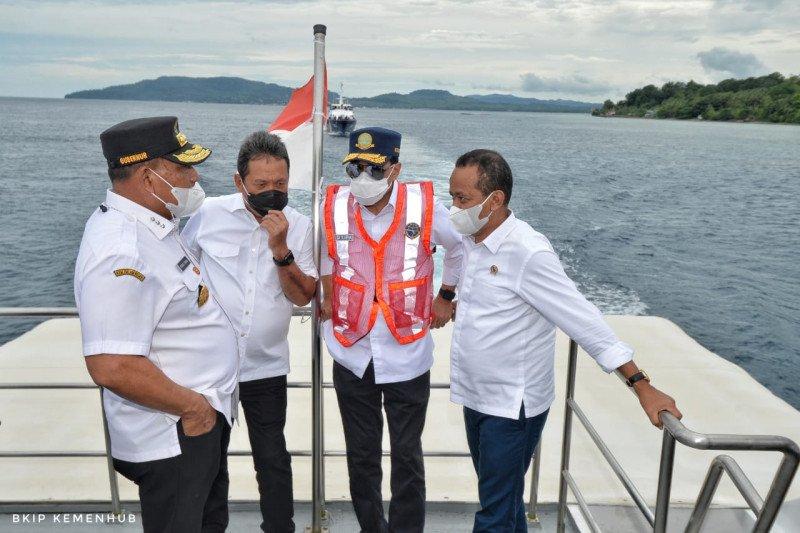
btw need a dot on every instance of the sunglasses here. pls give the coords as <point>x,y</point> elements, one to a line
<point>375,172</point>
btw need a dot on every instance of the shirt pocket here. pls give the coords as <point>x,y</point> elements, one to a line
<point>226,255</point>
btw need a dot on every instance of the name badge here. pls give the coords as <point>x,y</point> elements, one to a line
<point>183,263</point>
<point>345,237</point>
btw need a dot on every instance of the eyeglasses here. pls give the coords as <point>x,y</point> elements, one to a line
<point>375,172</point>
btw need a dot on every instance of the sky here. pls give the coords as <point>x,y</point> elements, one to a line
<point>577,49</point>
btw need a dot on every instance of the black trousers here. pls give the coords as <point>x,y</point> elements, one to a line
<point>264,403</point>
<point>405,404</point>
<point>187,493</point>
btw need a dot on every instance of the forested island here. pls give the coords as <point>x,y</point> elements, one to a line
<point>772,98</point>
<point>232,90</point>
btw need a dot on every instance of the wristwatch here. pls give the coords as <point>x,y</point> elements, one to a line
<point>286,261</point>
<point>447,295</point>
<point>640,375</point>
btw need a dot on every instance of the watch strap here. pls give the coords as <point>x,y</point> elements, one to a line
<point>447,294</point>
<point>286,261</point>
<point>640,375</point>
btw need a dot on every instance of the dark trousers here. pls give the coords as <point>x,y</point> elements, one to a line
<point>501,450</point>
<point>187,493</point>
<point>264,403</point>
<point>405,404</point>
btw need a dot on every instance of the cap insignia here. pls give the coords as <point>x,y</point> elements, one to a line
<point>364,141</point>
<point>133,158</point>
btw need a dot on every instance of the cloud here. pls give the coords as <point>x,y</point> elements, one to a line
<point>573,84</point>
<point>571,48</point>
<point>749,5</point>
<point>728,61</point>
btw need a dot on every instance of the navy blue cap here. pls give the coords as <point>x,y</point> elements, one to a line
<point>374,145</point>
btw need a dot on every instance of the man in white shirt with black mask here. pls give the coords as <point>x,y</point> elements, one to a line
<point>512,295</point>
<point>257,256</point>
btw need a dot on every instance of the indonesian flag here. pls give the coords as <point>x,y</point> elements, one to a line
<point>294,127</point>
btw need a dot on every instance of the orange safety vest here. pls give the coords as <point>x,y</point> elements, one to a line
<point>393,276</point>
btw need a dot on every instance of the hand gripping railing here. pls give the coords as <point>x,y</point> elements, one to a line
<point>116,505</point>
<point>674,430</point>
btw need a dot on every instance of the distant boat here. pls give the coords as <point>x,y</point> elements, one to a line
<point>341,119</point>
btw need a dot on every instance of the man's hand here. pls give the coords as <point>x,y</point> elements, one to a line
<point>442,312</point>
<point>325,310</point>
<point>277,226</point>
<point>199,417</point>
<point>654,401</point>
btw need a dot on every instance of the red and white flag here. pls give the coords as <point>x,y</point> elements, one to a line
<point>294,127</point>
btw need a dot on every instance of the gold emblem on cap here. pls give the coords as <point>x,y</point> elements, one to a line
<point>364,141</point>
<point>202,296</point>
<point>181,139</point>
<point>494,270</point>
<point>193,155</point>
<point>129,272</point>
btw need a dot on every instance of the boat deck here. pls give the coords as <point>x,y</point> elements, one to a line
<point>715,396</point>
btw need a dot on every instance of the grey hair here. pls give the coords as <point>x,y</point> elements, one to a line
<point>260,144</point>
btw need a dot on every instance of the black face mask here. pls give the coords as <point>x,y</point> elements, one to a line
<point>267,201</point>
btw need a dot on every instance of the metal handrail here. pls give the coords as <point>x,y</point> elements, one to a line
<point>674,431</point>
<point>720,464</point>
<point>71,312</point>
<point>765,517</point>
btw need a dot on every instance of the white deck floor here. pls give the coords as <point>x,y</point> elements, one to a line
<point>716,397</point>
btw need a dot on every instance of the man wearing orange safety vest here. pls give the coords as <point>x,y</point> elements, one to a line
<point>377,276</point>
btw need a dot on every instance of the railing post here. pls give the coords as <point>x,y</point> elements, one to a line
<point>567,437</point>
<point>533,502</point>
<point>116,506</point>
<point>703,501</point>
<point>664,482</point>
<point>777,491</point>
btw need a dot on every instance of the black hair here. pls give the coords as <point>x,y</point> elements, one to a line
<point>494,174</point>
<point>260,144</point>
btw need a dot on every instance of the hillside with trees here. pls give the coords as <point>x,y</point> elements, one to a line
<point>772,98</point>
<point>230,90</point>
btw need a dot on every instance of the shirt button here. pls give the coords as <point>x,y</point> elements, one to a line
<point>244,334</point>
<point>251,271</point>
<point>247,312</point>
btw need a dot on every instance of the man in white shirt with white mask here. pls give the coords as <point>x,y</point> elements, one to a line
<point>512,295</point>
<point>377,276</point>
<point>154,337</point>
<point>257,256</point>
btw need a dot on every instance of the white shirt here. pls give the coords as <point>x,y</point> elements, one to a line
<point>237,264</point>
<point>393,362</point>
<point>133,298</point>
<point>512,296</point>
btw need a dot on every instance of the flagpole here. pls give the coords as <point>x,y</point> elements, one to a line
<point>318,512</point>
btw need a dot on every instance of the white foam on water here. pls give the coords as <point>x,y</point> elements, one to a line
<point>421,162</point>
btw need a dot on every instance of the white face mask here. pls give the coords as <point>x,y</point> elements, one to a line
<point>466,221</point>
<point>367,190</point>
<point>189,198</point>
